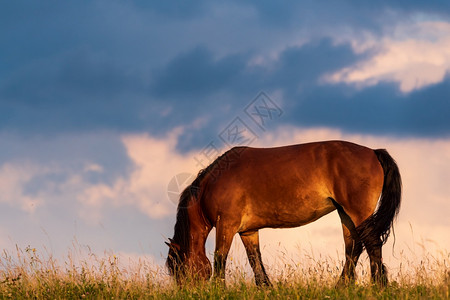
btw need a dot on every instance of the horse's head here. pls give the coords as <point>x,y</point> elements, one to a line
<point>174,260</point>
<point>184,264</point>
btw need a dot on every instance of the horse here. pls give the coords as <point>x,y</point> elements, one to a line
<point>247,189</point>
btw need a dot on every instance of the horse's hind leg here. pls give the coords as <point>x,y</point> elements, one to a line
<point>377,268</point>
<point>354,239</point>
<point>353,247</point>
<point>251,244</point>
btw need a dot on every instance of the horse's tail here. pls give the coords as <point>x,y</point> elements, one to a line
<point>378,226</point>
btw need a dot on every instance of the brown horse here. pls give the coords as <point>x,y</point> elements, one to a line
<point>247,189</point>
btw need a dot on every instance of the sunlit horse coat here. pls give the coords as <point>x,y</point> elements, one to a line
<point>247,189</point>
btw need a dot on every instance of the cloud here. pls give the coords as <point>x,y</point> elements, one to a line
<point>13,178</point>
<point>351,13</point>
<point>177,9</point>
<point>34,181</point>
<point>418,55</point>
<point>103,190</point>
<point>74,90</point>
<point>196,84</point>
<point>128,76</point>
<point>155,163</point>
<point>379,109</point>
<point>196,72</point>
<point>299,67</point>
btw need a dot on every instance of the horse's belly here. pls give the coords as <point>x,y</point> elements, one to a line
<point>299,217</point>
<point>291,214</point>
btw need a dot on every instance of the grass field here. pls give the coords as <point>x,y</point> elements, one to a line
<point>29,274</point>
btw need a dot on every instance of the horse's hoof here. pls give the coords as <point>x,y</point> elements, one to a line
<point>264,283</point>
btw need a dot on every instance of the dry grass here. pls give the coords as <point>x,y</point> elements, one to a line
<point>27,273</point>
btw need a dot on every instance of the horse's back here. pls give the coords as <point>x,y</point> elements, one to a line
<point>286,186</point>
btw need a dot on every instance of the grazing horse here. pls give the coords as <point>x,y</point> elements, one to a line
<point>247,189</point>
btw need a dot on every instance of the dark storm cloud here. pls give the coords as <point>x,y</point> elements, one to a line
<point>153,66</point>
<point>439,7</point>
<point>378,110</point>
<point>303,66</point>
<point>194,82</point>
<point>175,9</point>
<point>373,15</point>
<point>73,91</point>
<point>197,73</point>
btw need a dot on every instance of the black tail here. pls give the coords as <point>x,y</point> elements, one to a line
<point>377,227</point>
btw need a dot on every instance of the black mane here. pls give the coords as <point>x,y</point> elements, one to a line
<point>190,193</point>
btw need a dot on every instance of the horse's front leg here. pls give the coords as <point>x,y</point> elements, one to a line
<point>224,238</point>
<point>251,244</point>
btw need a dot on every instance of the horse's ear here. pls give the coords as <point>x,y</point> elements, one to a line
<point>176,246</point>
<point>173,245</point>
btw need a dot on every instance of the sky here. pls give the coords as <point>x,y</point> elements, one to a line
<point>108,108</point>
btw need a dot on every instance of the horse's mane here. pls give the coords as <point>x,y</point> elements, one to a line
<point>182,230</point>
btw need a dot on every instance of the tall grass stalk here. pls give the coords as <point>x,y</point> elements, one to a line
<point>32,273</point>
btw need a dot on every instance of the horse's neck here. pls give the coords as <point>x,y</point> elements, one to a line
<point>199,227</point>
